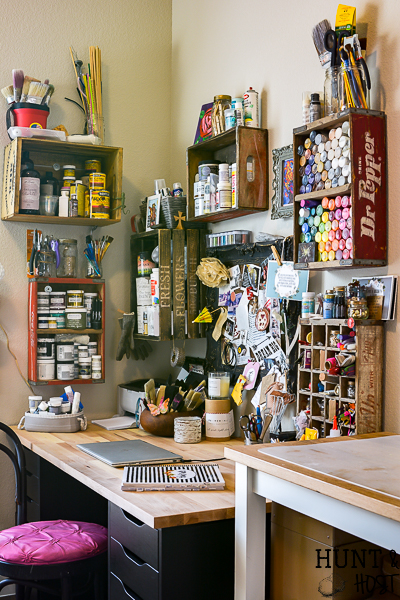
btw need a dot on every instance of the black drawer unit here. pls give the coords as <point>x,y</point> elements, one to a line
<point>174,563</point>
<point>52,494</point>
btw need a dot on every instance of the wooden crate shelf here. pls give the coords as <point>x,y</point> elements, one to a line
<point>368,374</point>
<point>233,146</point>
<point>50,155</point>
<point>37,284</point>
<point>180,290</point>
<point>368,188</point>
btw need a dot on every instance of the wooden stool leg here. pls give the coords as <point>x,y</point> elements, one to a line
<point>19,592</point>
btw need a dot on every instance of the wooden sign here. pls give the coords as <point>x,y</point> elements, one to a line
<point>164,241</point>
<point>9,188</point>
<point>179,283</point>
<point>192,243</point>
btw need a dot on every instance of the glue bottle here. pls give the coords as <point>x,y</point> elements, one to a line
<point>335,432</point>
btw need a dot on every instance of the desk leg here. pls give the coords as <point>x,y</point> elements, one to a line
<point>250,525</point>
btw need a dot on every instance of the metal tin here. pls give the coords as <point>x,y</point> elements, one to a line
<point>65,371</point>
<point>65,351</point>
<point>92,166</point>
<point>57,300</point>
<point>75,318</point>
<point>99,204</point>
<point>75,298</point>
<point>97,181</point>
<point>46,348</point>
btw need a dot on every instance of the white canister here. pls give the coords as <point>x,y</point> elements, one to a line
<point>45,370</point>
<point>199,187</point>
<point>43,299</point>
<point>92,346</point>
<point>155,286</point>
<point>143,291</point>
<point>65,351</point>
<point>34,402</point>
<point>65,371</point>
<point>223,173</point>
<point>83,352</point>
<point>96,366</point>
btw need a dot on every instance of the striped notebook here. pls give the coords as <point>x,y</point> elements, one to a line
<point>141,478</point>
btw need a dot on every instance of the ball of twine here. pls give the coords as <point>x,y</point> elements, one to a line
<point>187,430</point>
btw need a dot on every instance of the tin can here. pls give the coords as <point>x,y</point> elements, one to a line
<point>69,171</point>
<point>100,204</point>
<point>250,101</point>
<point>87,202</point>
<point>97,181</point>
<point>237,106</point>
<point>93,166</point>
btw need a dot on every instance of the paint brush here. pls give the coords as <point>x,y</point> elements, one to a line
<point>48,95</point>
<point>8,93</point>
<point>318,35</point>
<point>18,82</point>
<point>37,91</point>
<point>25,88</point>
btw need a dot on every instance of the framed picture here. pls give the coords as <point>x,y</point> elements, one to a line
<point>153,211</point>
<point>282,200</point>
<point>204,130</point>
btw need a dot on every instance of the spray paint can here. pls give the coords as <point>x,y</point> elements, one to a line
<point>251,114</point>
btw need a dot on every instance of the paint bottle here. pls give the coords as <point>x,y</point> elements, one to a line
<point>306,108</point>
<point>315,108</point>
<point>251,110</point>
<point>177,190</point>
<point>237,106</point>
<point>328,305</point>
<point>307,304</point>
<point>207,197</point>
<point>30,190</point>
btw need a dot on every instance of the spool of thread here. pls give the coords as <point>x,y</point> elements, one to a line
<point>330,363</point>
<point>187,430</point>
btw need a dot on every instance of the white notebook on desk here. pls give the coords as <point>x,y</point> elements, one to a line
<point>116,423</point>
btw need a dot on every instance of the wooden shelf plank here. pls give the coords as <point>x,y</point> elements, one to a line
<point>337,191</point>
<point>82,221</point>
<point>66,381</point>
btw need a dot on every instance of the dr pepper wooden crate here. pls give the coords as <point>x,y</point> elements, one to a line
<point>367,189</point>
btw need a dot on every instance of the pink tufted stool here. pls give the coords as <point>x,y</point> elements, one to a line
<point>34,555</point>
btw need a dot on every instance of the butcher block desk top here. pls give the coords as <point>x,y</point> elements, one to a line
<point>156,509</point>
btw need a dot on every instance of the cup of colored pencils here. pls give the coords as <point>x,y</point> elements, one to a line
<point>94,252</point>
<point>89,85</point>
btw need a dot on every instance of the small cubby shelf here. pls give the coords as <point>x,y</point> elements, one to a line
<point>38,284</point>
<point>368,374</point>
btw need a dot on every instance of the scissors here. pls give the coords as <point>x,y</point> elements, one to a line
<point>331,45</point>
<point>249,426</point>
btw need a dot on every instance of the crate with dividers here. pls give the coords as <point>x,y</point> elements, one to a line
<point>340,191</point>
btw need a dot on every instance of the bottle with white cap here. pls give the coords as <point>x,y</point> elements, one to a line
<point>177,190</point>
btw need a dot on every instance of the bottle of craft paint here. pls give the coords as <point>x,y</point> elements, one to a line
<point>30,190</point>
<point>315,108</point>
<point>307,304</point>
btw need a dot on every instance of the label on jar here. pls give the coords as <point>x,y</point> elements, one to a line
<point>214,387</point>
<point>29,193</point>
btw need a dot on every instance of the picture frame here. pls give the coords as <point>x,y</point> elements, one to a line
<point>282,184</point>
<point>153,211</point>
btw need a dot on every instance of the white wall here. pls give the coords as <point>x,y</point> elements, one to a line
<point>135,40</point>
<point>225,47</point>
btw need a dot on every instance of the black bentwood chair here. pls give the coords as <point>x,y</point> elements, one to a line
<point>48,555</point>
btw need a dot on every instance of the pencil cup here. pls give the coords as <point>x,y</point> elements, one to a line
<point>187,430</point>
<point>92,273</point>
<point>95,126</point>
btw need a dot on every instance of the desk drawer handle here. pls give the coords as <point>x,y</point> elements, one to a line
<point>133,519</point>
<point>127,589</point>
<point>133,557</point>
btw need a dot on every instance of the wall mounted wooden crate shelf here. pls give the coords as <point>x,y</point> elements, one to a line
<point>38,284</point>
<point>46,155</point>
<point>240,145</point>
<point>366,152</point>
<point>368,374</point>
<point>180,293</point>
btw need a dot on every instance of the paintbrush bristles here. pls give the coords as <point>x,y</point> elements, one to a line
<point>318,34</point>
<point>25,88</point>
<point>8,93</point>
<point>18,82</point>
<point>37,91</point>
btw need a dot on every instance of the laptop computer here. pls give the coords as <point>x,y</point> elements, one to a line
<point>129,452</point>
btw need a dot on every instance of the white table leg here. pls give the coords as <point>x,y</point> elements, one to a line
<point>250,524</point>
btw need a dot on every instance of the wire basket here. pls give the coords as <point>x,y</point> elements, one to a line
<point>171,206</point>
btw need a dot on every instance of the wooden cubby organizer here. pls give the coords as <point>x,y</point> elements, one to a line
<point>180,297</point>
<point>59,284</point>
<point>237,145</point>
<point>368,376</point>
<point>50,155</point>
<point>367,188</point>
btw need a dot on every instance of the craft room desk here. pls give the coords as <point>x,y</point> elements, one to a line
<point>173,539</point>
<point>356,480</point>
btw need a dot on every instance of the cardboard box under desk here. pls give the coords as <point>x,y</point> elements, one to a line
<point>297,541</point>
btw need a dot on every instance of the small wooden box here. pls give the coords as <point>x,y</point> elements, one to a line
<point>237,145</point>
<point>367,189</point>
<point>45,154</point>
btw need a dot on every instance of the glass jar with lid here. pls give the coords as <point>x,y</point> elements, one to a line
<point>358,308</point>
<point>351,389</point>
<point>221,103</point>
<point>68,250</point>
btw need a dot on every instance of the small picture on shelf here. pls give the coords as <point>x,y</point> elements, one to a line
<point>204,130</point>
<point>282,200</point>
<point>153,211</point>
